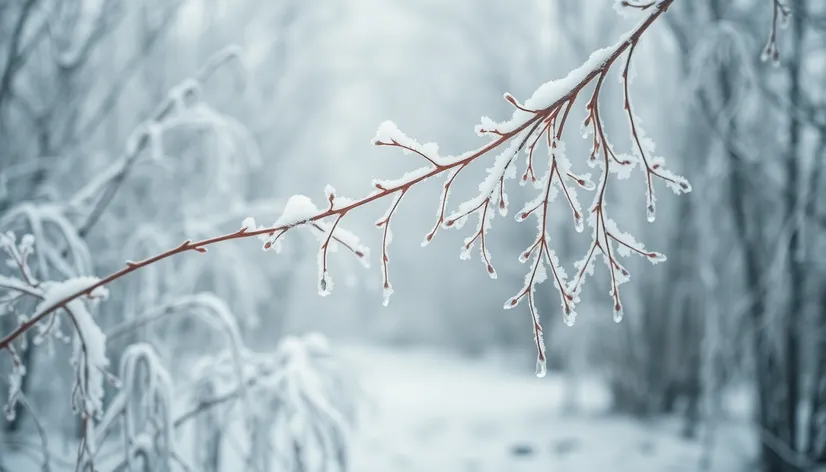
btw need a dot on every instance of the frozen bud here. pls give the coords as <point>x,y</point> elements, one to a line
<point>655,257</point>
<point>650,212</point>
<point>325,285</point>
<point>491,271</point>
<point>541,367</point>
<point>511,303</point>
<point>386,293</point>
<point>579,225</point>
<point>618,311</point>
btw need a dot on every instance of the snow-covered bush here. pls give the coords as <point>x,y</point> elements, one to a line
<point>297,406</point>
<point>53,259</point>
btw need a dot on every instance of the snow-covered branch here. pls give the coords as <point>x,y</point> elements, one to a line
<point>542,115</point>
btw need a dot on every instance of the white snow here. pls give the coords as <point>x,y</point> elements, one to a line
<point>426,410</point>
<point>433,411</point>
<point>389,134</point>
<point>487,187</point>
<point>299,209</point>
<point>55,292</point>
<point>15,285</point>
<point>248,224</point>
<point>403,180</point>
<point>553,91</point>
<point>89,354</point>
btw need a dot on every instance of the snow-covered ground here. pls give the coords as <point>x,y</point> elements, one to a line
<point>434,412</point>
<point>426,410</point>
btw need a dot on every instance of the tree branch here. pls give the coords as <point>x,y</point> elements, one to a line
<point>383,191</point>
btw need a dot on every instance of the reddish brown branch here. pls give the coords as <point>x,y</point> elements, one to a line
<point>443,205</point>
<point>534,120</point>
<point>651,170</point>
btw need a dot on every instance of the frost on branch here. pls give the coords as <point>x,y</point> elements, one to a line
<point>60,248</point>
<point>300,211</point>
<point>389,134</point>
<point>540,122</point>
<point>537,124</point>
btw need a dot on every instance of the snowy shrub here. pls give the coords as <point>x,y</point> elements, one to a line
<point>297,394</point>
<point>296,410</point>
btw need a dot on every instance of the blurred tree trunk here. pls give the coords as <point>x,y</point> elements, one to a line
<point>816,434</point>
<point>795,262</point>
<point>775,345</point>
<point>766,362</point>
<point>817,412</point>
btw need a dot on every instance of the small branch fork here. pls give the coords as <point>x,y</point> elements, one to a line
<point>524,134</point>
<point>780,17</point>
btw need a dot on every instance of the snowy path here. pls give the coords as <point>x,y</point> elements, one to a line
<point>435,413</point>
